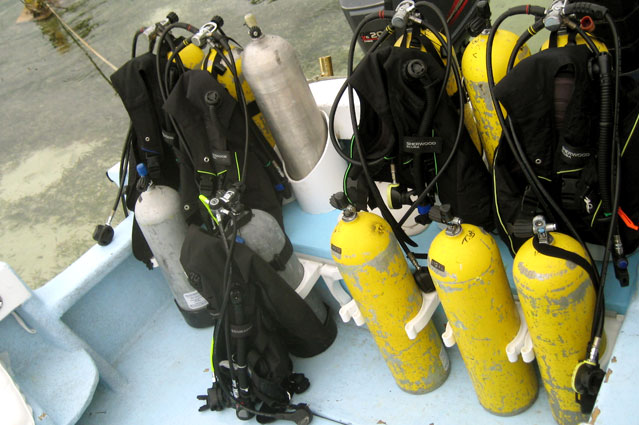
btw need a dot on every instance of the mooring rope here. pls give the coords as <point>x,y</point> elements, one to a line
<point>80,39</point>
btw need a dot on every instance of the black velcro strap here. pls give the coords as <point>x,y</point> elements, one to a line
<point>554,251</point>
<point>207,186</point>
<point>279,260</point>
<point>252,108</point>
<point>424,144</point>
<point>153,165</point>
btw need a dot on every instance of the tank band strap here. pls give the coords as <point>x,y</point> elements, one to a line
<point>554,251</point>
<point>279,260</point>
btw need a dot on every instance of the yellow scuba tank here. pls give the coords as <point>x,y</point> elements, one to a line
<point>191,56</point>
<point>468,273</point>
<point>376,273</point>
<point>225,77</point>
<point>558,300</point>
<point>474,71</point>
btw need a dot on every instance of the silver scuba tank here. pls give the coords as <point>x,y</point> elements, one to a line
<point>158,212</point>
<point>265,237</point>
<point>271,68</point>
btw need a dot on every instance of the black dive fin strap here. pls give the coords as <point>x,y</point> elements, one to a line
<point>554,251</point>
<point>279,260</point>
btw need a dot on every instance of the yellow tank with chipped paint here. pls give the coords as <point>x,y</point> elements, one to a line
<point>227,80</point>
<point>376,273</point>
<point>191,56</point>
<point>558,299</point>
<point>473,288</point>
<point>476,80</point>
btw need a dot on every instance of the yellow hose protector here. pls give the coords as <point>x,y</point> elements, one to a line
<point>471,282</point>
<point>226,79</point>
<point>476,79</point>
<point>376,273</point>
<point>558,299</point>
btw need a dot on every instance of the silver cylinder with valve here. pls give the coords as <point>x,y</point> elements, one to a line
<point>271,68</point>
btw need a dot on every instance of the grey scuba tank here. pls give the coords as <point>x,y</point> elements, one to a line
<point>158,211</point>
<point>265,237</point>
<point>271,68</point>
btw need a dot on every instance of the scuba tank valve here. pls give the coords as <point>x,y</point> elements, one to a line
<point>152,31</point>
<point>204,34</point>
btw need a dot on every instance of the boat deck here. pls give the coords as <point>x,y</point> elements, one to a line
<point>108,318</point>
<point>165,363</point>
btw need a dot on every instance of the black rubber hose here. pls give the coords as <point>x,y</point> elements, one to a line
<point>134,44</point>
<point>340,93</point>
<point>401,236</point>
<point>460,126</point>
<point>161,37</point>
<point>542,195</point>
<point>240,97</point>
<point>615,168</point>
<point>523,39</point>
<point>448,43</point>
<point>605,131</point>
<point>426,123</point>
<point>601,12</point>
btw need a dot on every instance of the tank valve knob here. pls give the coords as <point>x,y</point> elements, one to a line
<point>444,214</point>
<point>441,214</point>
<point>339,201</point>
<point>251,23</point>
<point>218,20</point>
